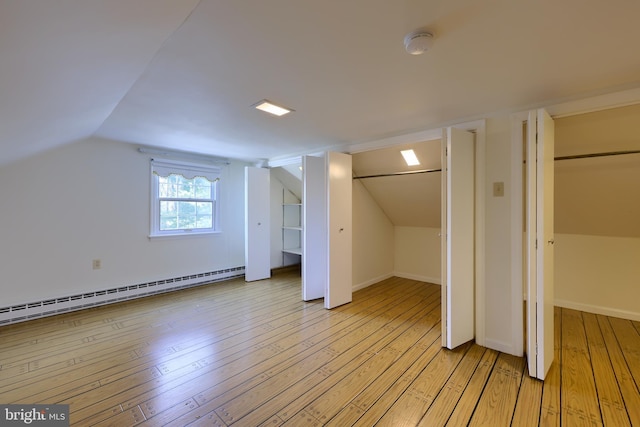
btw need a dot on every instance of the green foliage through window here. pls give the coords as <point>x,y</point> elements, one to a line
<point>184,198</point>
<point>185,204</point>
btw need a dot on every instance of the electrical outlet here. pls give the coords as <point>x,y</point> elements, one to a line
<point>498,189</point>
<point>96,264</point>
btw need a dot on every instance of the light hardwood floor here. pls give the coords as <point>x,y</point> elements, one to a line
<point>250,354</point>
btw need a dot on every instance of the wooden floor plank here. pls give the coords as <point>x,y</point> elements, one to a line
<point>609,395</point>
<point>246,355</point>
<point>409,408</point>
<point>473,392</point>
<point>310,355</point>
<point>368,338</point>
<point>629,340</point>
<point>624,379</point>
<point>498,401</point>
<point>529,401</point>
<point>376,400</point>
<point>328,399</point>
<point>387,383</point>
<point>551,409</point>
<point>439,412</point>
<point>579,397</point>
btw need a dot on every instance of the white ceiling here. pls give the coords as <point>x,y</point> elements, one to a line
<point>407,200</point>
<point>184,74</point>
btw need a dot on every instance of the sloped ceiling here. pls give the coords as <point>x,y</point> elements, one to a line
<point>290,177</point>
<point>184,74</point>
<point>66,65</point>
<point>407,200</point>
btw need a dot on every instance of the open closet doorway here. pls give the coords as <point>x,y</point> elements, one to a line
<point>597,206</point>
<point>414,195</point>
<point>397,213</point>
<point>286,216</point>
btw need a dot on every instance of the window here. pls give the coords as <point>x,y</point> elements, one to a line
<point>184,198</point>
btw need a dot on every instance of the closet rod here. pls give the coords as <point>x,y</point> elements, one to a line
<point>398,173</point>
<point>577,156</point>
<point>587,156</point>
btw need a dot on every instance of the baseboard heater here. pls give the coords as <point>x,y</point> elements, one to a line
<point>21,312</point>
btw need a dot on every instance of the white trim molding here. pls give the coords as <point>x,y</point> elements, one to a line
<point>597,309</point>
<point>367,283</point>
<point>418,277</point>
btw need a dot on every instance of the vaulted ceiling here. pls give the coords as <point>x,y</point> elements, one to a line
<point>409,200</point>
<point>184,74</point>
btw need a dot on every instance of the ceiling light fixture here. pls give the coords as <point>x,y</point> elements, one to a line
<point>271,108</point>
<point>410,157</point>
<point>418,42</point>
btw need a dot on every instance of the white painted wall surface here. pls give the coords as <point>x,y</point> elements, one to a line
<point>498,250</point>
<point>417,253</point>
<point>90,200</point>
<point>598,274</point>
<point>373,240</point>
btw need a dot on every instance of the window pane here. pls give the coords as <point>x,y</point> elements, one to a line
<point>203,191</point>
<point>181,203</point>
<point>163,187</point>
<point>168,216</point>
<point>185,189</point>
<point>204,221</point>
<point>178,187</point>
<point>204,208</point>
<point>185,215</point>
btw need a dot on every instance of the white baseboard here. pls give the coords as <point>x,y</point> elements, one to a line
<point>596,309</point>
<point>434,280</point>
<point>34,309</point>
<point>370,282</point>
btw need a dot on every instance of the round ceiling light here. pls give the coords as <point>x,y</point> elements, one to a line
<point>418,42</point>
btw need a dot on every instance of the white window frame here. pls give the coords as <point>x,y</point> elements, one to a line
<point>188,170</point>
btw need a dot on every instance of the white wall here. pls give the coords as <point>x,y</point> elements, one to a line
<point>598,274</point>
<point>501,332</point>
<point>373,240</point>
<point>90,200</point>
<point>417,253</point>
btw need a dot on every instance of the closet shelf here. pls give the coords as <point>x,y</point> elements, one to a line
<point>291,228</point>
<point>295,251</point>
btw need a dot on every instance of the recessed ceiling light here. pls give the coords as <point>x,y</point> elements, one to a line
<point>410,157</point>
<point>271,108</point>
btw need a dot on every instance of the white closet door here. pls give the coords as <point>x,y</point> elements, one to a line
<point>340,283</point>
<point>314,228</point>
<point>257,236</point>
<point>540,241</point>
<point>458,219</point>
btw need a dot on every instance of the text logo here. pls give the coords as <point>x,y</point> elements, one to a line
<point>34,415</point>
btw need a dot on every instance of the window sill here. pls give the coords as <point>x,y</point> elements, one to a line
<point>183,235</point>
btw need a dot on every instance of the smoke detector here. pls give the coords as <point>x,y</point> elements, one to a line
<point>418,42</point>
